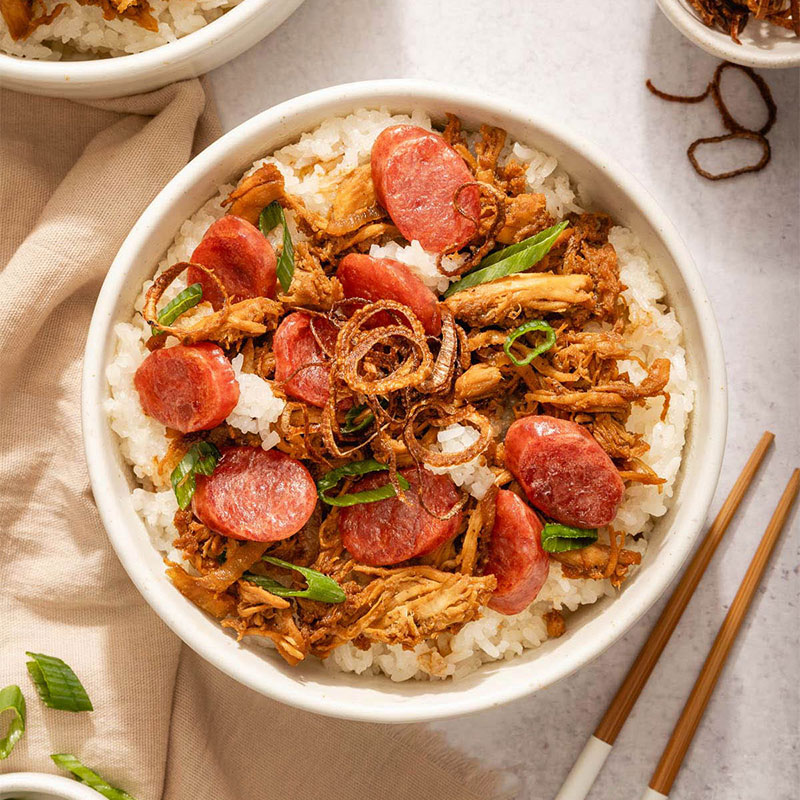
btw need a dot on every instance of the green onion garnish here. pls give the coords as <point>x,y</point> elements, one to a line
<point>188,298</point>
<point>510,260</point>
<point>352,423</point>
<point>11,699</point>
<point>533,325</point>
<point>320,586</point>
<point>89,777</point>
<point>58,686</point>
<point>557,538</point>
<point>270,218</point>
<point>201,458</point>
<point>330,479</point>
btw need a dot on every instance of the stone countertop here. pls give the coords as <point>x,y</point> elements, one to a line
<point>584,63</point>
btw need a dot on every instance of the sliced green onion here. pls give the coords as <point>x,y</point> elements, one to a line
<point>270,218</point>
<point>11,699</point>
<point>188,298</point>
<point>330,479</point>
<point>351,422</point>
<point>201,458</point>
<point>533,325</point>
<point>88,777</point>
<point>557,538</point>
<point>510,260</point>
<point>320,586</point>
<point>58,686</point>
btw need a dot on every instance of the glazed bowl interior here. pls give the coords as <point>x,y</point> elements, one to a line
<point>763,45</point>
<point>593,628</point>
<point>222,39</point>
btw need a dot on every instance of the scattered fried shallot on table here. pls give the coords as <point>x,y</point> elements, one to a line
<point>735,129</point>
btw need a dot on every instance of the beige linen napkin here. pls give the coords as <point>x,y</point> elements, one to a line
<point>73,179</point>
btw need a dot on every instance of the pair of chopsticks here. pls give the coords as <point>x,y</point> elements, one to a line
<point>591,760</point>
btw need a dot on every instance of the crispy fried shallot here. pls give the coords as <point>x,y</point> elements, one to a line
<point>735,128</point>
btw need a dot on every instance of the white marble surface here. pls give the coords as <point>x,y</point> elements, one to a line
<point>585,62</point>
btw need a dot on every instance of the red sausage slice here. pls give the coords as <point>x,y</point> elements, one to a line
<point>387,279</point>
<point>187,387</point>
<point>294,346</point>
<point>239,256</point>
<point>516,556</point>
<point>255,494</point>
<point>564,471</point>
<point>390,531</point>
<point>416,174</point>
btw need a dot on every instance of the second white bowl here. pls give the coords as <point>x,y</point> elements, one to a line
<point>763,45</point>
<point>196,53</point>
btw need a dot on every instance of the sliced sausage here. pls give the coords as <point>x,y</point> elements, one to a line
<point>516,557</point>
<point>255,494</point>
<point>295,346</point>
<point>390,531</point>
<point>240,256</point>
<point>564,471</point>
<point>416,174</point>
<point>187,387</point>
<point>387,279</point>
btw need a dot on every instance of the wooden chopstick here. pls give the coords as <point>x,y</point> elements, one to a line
<point>684,731</point>
<point>591,760</point>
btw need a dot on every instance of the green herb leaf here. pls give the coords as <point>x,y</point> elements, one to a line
<point>201,459</point>
<point>320,586</point>
<point>11,699</point>
<point>330,479</point>
<point>533,325</point>
<point>58,686</point>
<point>352,423</point>
<point>88,777</point>
<point>188,298</point>
<point>557,538</point>
<point>270,218</point>
<point>510,260</point>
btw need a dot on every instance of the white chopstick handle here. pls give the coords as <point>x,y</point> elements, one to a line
<point>585,770</point>
<point>652,794</point>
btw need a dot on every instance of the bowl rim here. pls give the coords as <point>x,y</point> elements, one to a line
<point>720,44</point>
<point>136,67</point>
<point>101,464</point>
<point>56,786</point>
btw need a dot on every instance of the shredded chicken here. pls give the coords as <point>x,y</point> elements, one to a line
<point>255,192</point>
<point>246,318</point>
<point>597,561</point>
<point>478,381</point>
<point>509,300</point>
<point>402,606</point>
<point>526,215</point>
<point>355,203</point>
<point>554,620</point>
<point>311,287</point>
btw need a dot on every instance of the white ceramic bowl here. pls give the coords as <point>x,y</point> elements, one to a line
<point>311,686</point>
<point>41,786</point>
<point>763,45</point>
<point>195,54</point>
